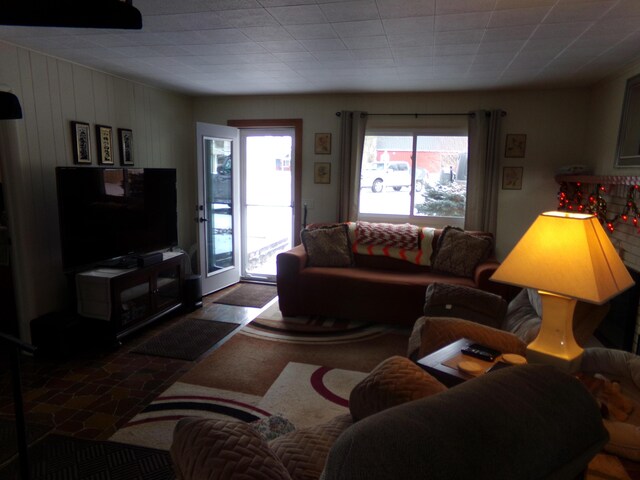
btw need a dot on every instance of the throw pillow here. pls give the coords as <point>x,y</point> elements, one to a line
<point>328,246</point>
<point>458,252</point>
<point>395,381</point>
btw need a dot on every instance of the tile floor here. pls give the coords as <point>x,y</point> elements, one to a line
<point>99,389</point>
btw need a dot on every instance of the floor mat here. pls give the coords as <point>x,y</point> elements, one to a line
<point>60,458</point>
<point>187,340</point>
<point>249,295</point>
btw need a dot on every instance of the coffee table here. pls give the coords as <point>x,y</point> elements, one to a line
<point>441,364</point>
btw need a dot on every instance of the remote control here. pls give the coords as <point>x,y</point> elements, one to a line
<point>480,352</point>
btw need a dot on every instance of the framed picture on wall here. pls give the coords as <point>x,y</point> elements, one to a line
<point>323,144</point>
<point>515,145</point>
<point>105,145</point>
<point>322,172</point>
<point>125,141</point>
<point>81,142</point>
<point>512,178</point>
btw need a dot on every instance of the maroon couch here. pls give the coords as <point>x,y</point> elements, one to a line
<point>377,289</point>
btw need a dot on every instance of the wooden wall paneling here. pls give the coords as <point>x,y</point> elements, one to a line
<point>85,108</point>
<point>100,98</point>
<point>141,146</point>
<point>68,108</point>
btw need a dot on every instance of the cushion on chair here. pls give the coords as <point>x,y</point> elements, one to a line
<point>218,449</point>
<point>303,452</point>
<point>447,300</point>
<point>395,381</point>
<point>458,252</point>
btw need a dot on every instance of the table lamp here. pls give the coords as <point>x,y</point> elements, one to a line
<point>566,257</point>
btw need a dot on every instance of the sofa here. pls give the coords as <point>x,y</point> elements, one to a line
<point>379,272</point>
<point>404,424</point>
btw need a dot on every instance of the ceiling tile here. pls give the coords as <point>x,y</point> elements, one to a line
<point>357,43</point>
<point>502,34</point>
<point>281,3</point>
<point>323,45</point>
<point>283,46</point>
<point>578,12</point>
<point>267,34</point>
<point>464,6</point>
<point>462,21</point>
<point>300,32</point>
<point>404,26</point>
<point>297,15</point>
<point>459,37</point>
<point>253,17</point>
<point>464,49</point>
<point>407,8</point>
<point>409,40</point>
<point>350,10</point>
<point>358,29</point>
<point>518,16</point>
<point>507,46</point>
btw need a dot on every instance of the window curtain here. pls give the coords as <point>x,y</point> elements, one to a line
<point>483,178</point>
<point>352,130</point>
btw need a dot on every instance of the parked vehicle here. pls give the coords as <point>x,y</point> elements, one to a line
<point>377,175</point>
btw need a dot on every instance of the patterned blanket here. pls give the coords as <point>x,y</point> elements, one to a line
<point>404,242</point>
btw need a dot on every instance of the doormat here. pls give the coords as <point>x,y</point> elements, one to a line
<point>9,440</point>
<point>59,457</point>
<point>187,340</point>
<point>249,295</point>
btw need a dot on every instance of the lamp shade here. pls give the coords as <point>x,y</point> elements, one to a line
<point>566,254</point>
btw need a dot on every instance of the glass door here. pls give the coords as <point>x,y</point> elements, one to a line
<point>218,200</point>
<point>267,199</point>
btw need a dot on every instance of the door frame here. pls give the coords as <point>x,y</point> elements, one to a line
<point>296,124</point>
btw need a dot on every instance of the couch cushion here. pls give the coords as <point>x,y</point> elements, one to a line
<point>459,252</point>
<point>395,381</point>
<point>328,247</point>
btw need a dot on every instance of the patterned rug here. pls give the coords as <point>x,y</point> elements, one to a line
<point>57,457</point>
<point>187,340</point>
<point>299,368</point>
<point>249,295</point>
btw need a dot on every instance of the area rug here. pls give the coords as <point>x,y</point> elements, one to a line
<point>9,440</point>
<point>187,340</point>
<point>60,458</point>
<point>249,295</point>
<point>300,369</point>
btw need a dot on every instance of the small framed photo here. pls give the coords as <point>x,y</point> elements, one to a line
<point>515,145</point>
<point>512,178</point>
<point>322,172</point>
<point>81,142</point>
<point>323,144</point>
<point>125,141</point>
<point>105,145</point>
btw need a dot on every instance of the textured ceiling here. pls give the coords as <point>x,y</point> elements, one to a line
<point>312,46</point>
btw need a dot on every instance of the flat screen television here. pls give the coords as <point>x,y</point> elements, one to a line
<point>110,213</point>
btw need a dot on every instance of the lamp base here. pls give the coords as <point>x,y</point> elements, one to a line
<point>555,344</point>
<point>566,365</point>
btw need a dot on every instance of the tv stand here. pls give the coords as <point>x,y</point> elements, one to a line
<point>126,299</point>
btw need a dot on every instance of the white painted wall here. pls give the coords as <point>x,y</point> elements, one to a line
<point>53,93</point>
<point>555,122</point>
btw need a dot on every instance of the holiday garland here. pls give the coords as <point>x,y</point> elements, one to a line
<point>596,204</point>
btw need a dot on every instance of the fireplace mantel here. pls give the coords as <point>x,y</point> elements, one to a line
<point>600,179</point>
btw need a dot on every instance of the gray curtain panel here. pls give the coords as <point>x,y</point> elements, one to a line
<point>483,171</point>
<point>353,130</point>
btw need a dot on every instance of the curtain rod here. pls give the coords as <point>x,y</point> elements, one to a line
<point>468,114</point>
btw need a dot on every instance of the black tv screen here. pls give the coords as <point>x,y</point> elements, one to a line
<point>106,213</point>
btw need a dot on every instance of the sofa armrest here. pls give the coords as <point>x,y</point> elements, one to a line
<point>207,449</point>
<point>433,333</point>
<point>483,273</point>
<point>289,265</point>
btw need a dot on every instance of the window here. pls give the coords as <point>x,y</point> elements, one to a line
<point>421,177</point>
